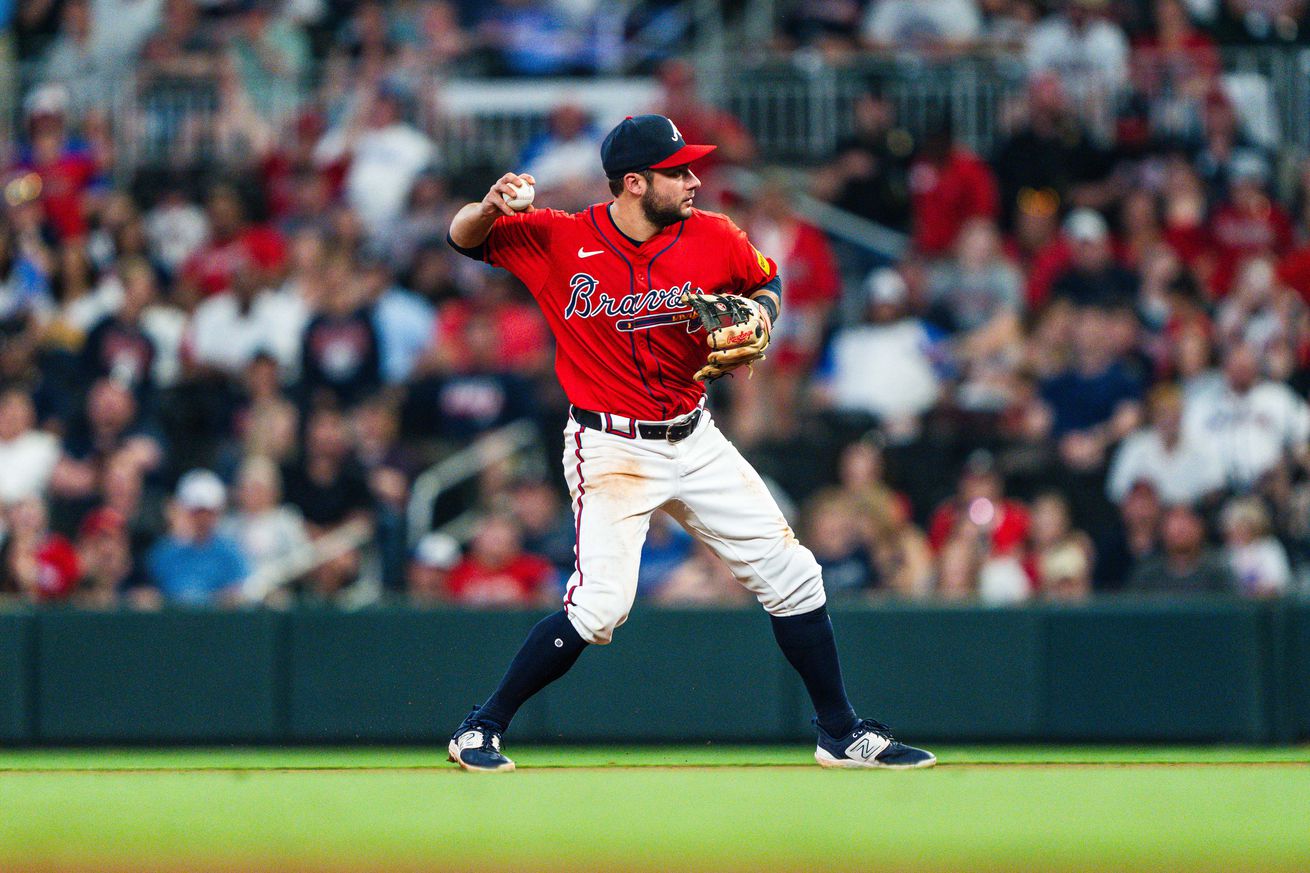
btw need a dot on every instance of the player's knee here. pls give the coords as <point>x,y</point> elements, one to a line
<point>596,626</point>
<point>800,590</point>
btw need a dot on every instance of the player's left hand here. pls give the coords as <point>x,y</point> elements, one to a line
<point>736,330</point>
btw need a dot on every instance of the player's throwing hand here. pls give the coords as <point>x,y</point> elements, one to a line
<point>506,189</point>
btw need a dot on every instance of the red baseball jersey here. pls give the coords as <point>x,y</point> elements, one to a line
<point>624,344</point>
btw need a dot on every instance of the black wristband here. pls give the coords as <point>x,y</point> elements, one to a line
<point>768,304</point>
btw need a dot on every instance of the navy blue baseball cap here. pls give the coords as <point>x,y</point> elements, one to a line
<point>647,142</point>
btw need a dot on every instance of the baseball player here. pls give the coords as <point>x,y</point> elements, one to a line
<point>635,290</point>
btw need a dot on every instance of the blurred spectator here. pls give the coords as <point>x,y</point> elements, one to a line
<point>176,228</point>
<point>88,64</point>
<point>667,547</point>
<point>386,155</point>
<point>1253,424</point>
<point>194,564</point>
<point>563,160</point>
<point>1051,152</point>
<point>109,571</point>
<point>899,553</point>
<point>1094,401</point>
<point>702,580</point>
<point>885,368</point>
<point>805,257</point>
<point>229,329</point>
<point>123,25</point>
<point>528,38</point>
<point>497,572</point>
<point>405,323</point>
<point>234,242</point>
<point>340,359</point>
<point>1180,468</point>
<point>60,169</point>
<point>1257,559</point>
<point>1135,537</point>
<point>1185,564</point>
<point>429,569</point>
<point>547,525</point>
<point>832,532</point>
<point>868,174</point>
<point>1249,223</point>
<point>979,536</point>
<point>270,54</point>
<point>269,533</point>
<point>978,294</point>
<point>921,25</point>
<point>1241,22</point>
<point>119,345</point>
<point>1061,556</point>
<point>948,186</point>
<point>1093,278</point>
<point>27,455</point>
<point>1088,51</point>
<point>423,224</point>
<point>34,562</point>
<point>110,428</point>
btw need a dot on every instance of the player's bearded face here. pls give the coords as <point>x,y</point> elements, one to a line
<point>669,196</point>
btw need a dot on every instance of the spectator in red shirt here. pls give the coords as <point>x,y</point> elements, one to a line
<point>980,538</point>
<point>1249,223</point>
<point>66,169</point>
<point>234,242</point>
<point>34,562</point>
<point>804,255</point>
<point>497,572</point>
<point>948,186</point>
<point>519,339</point>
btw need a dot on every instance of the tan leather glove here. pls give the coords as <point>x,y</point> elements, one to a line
<point>736,330</point>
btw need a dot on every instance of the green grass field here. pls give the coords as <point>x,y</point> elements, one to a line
<point>653,809</point>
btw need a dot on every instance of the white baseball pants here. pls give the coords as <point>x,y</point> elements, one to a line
<point>704,483</point>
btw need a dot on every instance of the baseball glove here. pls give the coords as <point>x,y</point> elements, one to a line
<point>736,330</point>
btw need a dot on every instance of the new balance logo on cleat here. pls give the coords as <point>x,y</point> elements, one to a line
<point>870,745</point>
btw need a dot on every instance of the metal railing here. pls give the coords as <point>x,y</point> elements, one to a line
<point>798,108</point>
<point>492,448</point>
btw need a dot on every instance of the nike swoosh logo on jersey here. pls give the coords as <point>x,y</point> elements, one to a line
<point>583,253</point>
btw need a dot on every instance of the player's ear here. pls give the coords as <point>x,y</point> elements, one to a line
<point>635,183</point>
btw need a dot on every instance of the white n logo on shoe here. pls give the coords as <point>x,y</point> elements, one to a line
<point>867,747</point>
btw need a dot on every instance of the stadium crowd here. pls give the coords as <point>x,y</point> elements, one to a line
<point>1087,372</point>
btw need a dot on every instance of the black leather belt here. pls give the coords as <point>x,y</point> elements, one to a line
<point>605,422</point>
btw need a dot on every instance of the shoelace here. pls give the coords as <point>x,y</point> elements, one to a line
<point>872,725</point>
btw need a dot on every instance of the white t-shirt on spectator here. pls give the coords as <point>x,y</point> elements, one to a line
<point>884,369</point>
<point>175,231</point>
<point>1094,58</point>
<point>383,166</point>
<point>224,337</point>
<point>1249,431</point>
<point>26,463</point>
<point>1190,471</point>
<point>903,23</point>
<point>1260,567</point>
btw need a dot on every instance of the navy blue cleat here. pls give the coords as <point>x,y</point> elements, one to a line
<point>869,745</point>
<point>475,746</point>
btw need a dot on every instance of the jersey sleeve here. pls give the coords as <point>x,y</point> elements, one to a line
<point>748,268</point>
<point>520,243</point>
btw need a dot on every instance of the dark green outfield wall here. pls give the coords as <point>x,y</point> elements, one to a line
<point>1113,671</point>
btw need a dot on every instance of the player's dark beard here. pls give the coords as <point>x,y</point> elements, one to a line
<point>660,214</point>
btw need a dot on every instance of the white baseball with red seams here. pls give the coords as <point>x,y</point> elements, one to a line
<point>617,482</point>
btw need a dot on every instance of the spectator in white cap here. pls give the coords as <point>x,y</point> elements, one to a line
<point>193,564</point>
<point>1093,278</point>
<point>885,367</point>
<point>430,567</point>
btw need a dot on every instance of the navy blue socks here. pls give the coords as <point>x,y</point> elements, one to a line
<point>550,650</point>
<point>811,649</point>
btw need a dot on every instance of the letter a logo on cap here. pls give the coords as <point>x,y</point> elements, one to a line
<point>677,134</point>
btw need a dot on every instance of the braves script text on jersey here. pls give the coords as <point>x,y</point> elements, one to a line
<point>627,350</point>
